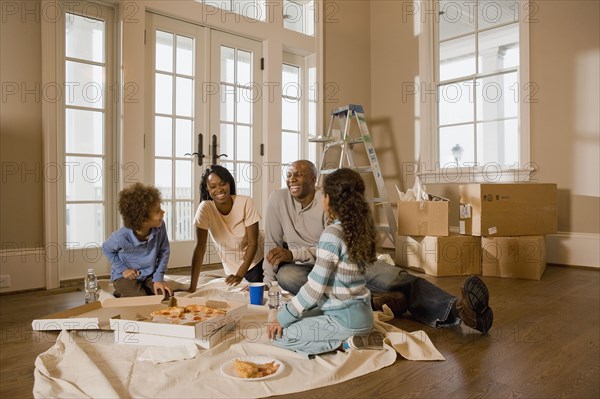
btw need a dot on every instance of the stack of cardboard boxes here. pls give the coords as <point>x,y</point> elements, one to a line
<point>502,228</point>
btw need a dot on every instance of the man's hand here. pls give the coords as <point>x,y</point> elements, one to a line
<point>131,274</point>
<point>162,287</point>
<point>279,255</point>
<point>233,279</point>
<point>275,329</point>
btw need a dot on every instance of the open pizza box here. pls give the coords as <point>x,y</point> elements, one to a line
<point>96,315</point>
<point>137,319</point>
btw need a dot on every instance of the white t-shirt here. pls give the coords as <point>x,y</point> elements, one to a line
<point>228,232</point>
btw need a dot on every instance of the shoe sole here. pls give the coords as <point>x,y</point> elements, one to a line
<point>372,341</point>
<point>476,294</point>
<point>485,321</point>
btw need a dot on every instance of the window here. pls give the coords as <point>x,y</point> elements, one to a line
<point>480,76</point>
<point>298,15</point>
<point>298,110</point>
<point>174,122</point>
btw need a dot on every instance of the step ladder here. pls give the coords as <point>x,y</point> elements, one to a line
<point>342,139</point>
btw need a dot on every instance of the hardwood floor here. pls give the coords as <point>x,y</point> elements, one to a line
<point>545,343</point>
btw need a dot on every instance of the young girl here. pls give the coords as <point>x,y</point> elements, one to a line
<point>139,251</point>
<point>232,221</point>
<point>333,309</point>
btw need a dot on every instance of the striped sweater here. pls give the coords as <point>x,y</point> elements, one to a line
<point>334,282</point>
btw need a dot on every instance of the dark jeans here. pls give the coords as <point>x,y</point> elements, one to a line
<point>125,287</point>
<point>255,275</point>
<point>426,302</point>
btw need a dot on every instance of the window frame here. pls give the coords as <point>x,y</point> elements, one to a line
<point>428,166</point>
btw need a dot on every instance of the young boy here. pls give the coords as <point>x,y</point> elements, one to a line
<point>139,252</point>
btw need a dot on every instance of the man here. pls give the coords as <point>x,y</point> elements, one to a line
<point>293,224</point>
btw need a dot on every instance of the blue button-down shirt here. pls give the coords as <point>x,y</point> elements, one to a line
<point>125,251</point>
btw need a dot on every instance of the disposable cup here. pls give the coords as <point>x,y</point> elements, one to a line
<point>256,293</point>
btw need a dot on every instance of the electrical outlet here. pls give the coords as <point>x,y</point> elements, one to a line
<point>5,281</point>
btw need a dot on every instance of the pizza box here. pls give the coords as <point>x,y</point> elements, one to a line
<point>137,320</point>
<point>210,341</point>
<point>95,315</point>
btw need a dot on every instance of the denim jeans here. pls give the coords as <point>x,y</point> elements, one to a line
<point>426,302</point>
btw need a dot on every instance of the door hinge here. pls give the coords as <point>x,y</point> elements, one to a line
<point>262,64</point>
<point>262,150</point>
<point>144,36</point>
<point>144,141</point>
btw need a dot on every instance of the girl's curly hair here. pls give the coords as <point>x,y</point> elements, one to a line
<point>223,173</point>
<point>135,202</point>
<point>346,191</point>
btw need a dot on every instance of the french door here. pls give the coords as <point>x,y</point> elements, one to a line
<point>201,83</point>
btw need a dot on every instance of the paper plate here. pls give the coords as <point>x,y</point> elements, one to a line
<point>228,370</point>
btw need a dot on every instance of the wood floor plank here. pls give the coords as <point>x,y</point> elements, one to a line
<point>545,343</point>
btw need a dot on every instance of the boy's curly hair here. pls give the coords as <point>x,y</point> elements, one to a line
<point>134,203</point>
<point>346,191</point>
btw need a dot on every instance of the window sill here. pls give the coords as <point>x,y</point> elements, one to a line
<point>493,173</point>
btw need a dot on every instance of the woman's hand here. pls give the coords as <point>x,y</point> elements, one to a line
<point>131,274</point>
<point>233,279</point>
<point>275,329</point>
<point>162,287</point>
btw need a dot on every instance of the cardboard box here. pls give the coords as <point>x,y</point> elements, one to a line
<point>423,218</point>
<point>514,257</point>
<point>508,209</point>
<point>94,315</point>
<point>131,320</point>
<point>221,334</point>
<point>455,255</point>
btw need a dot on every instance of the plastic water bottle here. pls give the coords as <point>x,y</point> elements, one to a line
<point>91,286</point>
<point>274,300</point>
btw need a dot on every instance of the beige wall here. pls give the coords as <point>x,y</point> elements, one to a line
<point>21,202</point>
<point>564,48</point>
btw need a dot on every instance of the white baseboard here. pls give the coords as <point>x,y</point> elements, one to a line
<point>573,249</point>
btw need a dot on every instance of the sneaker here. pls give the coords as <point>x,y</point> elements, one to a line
<point>395,300</point>
<point>473,307</point>
<point>372,341</point>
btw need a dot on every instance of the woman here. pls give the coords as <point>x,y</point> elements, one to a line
<point>232,221</point>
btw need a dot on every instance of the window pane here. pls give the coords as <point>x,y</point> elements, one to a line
<point>167,206</point>
<point>244,176</point>
<point>227,102</point>
<point>290,147</point>
<point>85,224</point>
<point>184,217</point>
<point>455,103</point>
<point>457,145</point>
<point>185,52</point>
<point>163,136</point>
<point>497,97</point>
<point>293,17</point>
<point>84,131</point>
<point>183,179</point>
<point>499,49</point>
<point>290,79</point>
<point>290,117</point>
<point>244,106</point>
<point>163,177</point>
<point>227,64</point>
<point>495,12</point>
<point>164,51</point>
<point>243,144</point>
<point>456,18</point>
<point>457,58</point>
<point>84,85</point>
<point>84,38</point>
<point>184,101</point>
<point>227,141</point>
<point>163,94</point>
<point>244,68</point>
<point>498,142</point>
<point>183,137</point>
<point>84,178</point>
